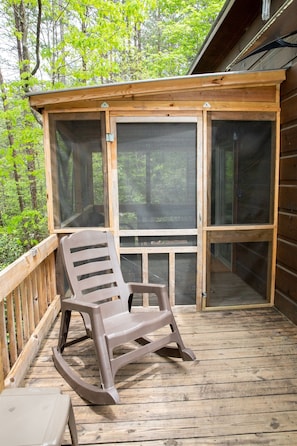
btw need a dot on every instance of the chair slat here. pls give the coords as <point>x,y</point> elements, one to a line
<point>97,281</point>
<point>104,295</point>
<point>90,268</point>
<point>90,253</point>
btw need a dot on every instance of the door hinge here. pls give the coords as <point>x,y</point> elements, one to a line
<point>109,137</point>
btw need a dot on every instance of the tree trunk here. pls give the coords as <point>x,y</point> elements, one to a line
<point>11,144</point>
<point>21,26</point>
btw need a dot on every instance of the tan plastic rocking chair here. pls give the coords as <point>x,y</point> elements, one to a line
<point>104,300</point>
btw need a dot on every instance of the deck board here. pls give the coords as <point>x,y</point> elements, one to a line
<point>242,390</point>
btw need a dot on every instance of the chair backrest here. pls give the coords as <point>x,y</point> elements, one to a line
<point>93,269</point>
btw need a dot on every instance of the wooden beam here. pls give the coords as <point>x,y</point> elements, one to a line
<point>236,236</point>
<point>132,89</point>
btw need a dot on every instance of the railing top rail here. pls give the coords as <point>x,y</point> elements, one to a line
<point>16,272</point>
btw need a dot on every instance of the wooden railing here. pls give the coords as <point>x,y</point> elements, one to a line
<point>28,306</point>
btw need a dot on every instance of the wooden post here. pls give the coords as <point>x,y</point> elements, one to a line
<point>1,369</point>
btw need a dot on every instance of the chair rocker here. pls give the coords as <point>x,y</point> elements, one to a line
<point>104,300</point>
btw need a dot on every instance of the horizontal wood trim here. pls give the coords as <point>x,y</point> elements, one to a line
<point>246,115</point>
<point>172,106</point>
<point>253,306</point>
<point>252,94</point>
<point>157,249</point>
<point>157,232</point>
<point>235,236</point>
<point>17,271</point>
<point>217,81</point>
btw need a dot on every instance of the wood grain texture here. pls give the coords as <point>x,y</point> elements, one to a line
<point>242,390</point>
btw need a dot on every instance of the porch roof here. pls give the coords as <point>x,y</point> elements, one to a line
<point>237,21</point>
<point>137,89</point>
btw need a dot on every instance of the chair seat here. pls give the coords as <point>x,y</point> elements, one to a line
<point>35,417</point>
<point>124,327</point>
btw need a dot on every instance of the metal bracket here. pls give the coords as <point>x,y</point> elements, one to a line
<point>109,137</point>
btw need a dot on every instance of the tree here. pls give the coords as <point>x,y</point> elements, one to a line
<point>51,44</point>
<point>20,154</point>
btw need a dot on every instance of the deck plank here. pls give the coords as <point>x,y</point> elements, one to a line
<point>241,390</point>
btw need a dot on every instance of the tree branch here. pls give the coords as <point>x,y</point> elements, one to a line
<point>37,47</point>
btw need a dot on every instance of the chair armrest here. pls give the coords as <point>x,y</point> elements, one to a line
<point>79,305</point>
<point>158,289</point>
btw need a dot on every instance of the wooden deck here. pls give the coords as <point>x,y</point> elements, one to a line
<point>242,390</point>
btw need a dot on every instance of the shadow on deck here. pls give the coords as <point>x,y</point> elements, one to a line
<point>242,390</point>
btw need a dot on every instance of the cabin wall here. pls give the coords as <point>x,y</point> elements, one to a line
<point>286,261</point>
<point>286,272</point>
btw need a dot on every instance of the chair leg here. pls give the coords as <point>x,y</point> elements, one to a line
<point>185,353</point>
<point>72,427</point>
<point>180,351</point>
<point>105,395</point>
<point>103,357</point>
<point>64,327</point>
<point>89,392</point>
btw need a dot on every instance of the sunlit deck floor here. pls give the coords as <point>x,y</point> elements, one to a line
<point>242,390</point>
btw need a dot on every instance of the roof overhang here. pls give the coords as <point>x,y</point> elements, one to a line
<point>234,21</point>
<point>132,90</point>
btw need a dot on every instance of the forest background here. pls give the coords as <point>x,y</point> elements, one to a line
<point>53,44</point>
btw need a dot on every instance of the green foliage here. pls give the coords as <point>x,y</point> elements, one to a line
<point>76,43</point>
<point>20,147</point>
<point>101,41</point>
<point>20,233</point>
<point>28,228</point>
<point>172,33</point>
<point>10,250</point>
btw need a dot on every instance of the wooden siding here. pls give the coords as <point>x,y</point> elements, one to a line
<point>242,390</point>
<point>286,272</point>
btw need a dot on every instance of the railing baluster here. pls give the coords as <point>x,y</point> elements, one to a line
<point>27,289</point>
<point>35,298</point>
<point>18,319</point>
<point>3,339</point>
<point>41,290</point>
<point>11,332</point>
<point>30,303</point>
<point>25,312</point>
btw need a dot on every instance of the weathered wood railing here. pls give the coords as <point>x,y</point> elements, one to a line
<point>28,305</point>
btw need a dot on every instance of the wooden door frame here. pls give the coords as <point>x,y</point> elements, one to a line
<point>239,233</point>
